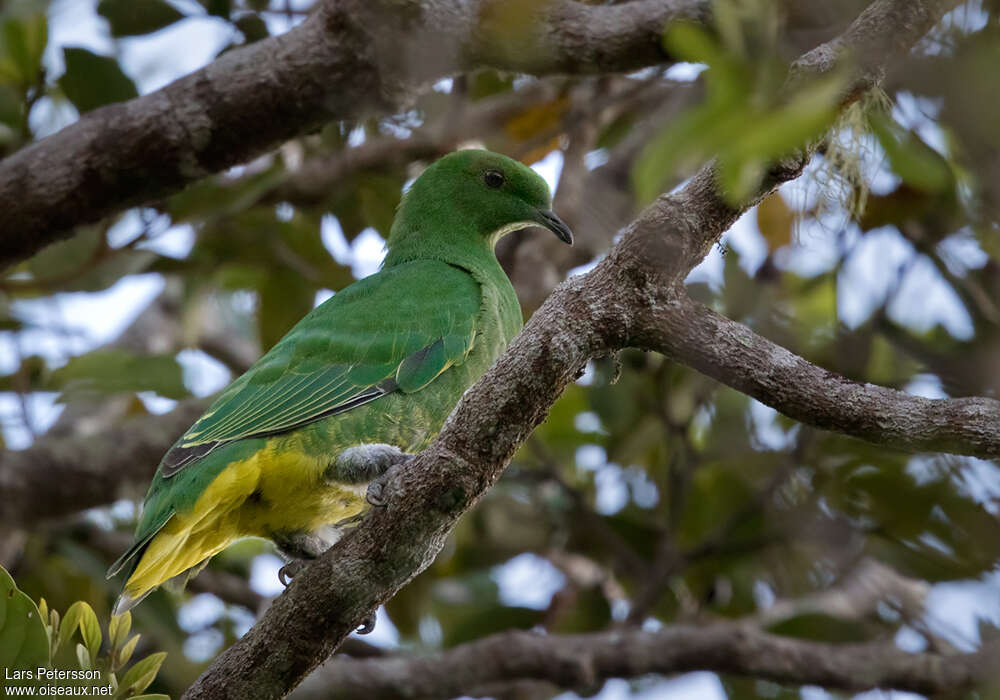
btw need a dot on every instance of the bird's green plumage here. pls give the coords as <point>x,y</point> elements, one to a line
<point>383,361</point>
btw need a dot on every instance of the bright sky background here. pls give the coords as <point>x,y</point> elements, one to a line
<point>94,319</point>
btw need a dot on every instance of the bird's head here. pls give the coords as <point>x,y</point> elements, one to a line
<point>471,198</point>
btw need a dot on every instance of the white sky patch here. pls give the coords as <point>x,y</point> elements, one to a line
<point>385,634</point>
<point>176,242</point>
<point>279,23</point>
<point>685,72</point>
<point>368,250</point>
<point>587,422</point>
<point>612,489</point>
<point>156,404</point>
<point>202,610</point>
<point>815,250</point>
<point>585,268</point>
<point>444,85</point>
<point>961,252</point>
<point>926,385</point>
<point>153,60</point>
<point>926,300</point>
<point>550,168</point>
<point>590,457</point>
<point>710,269</point>
<point>264,574</point>
<point>915,113</point>
<point>955,609</point>
<point>869,273</point>
<point>42,412</point>
<point>92,318</point>
<point>766,429</point>
<point>202,646</point>
<point>980,480</point>
<point>745,238</point>
<point>124,509</point>
<point>74,23</point>
<point>321,296</point>
<point>528,581</point>
<point>203,374</point>
<point>595,158</point>
<point>333,238</point>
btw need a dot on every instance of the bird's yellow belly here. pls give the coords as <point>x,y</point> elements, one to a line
<point>289,494</point>
<point>274,491</point>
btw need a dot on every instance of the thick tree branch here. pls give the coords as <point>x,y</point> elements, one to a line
<point>68,474</point>
<point>735,355</point>
<point>585,317</point>
<point>581,661</point>
<point>350,58</point>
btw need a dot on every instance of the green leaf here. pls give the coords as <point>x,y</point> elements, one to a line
<point>284,299</point>
<point>114,371</point>
<point>133,17</point>
<point>253,28</point>
<point>23,38</point>
<point>138,678</point>
<point>90,630</point>
<point>23,641</point>
<point>71,620</point>
<point>127,650</point>
<point>83,657</point>
<point>919,165</point>
<point>219,8</point>
<point>689,42</point>
<point>821,628</point>
<point>118,629</point>
<point>11,104</point>
<point>81,615</point>
<point>91,81</point>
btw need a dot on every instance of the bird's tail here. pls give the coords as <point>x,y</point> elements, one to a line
<point>177,552</point>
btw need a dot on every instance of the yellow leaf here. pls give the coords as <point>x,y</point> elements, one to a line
<point>138,678</point>
<point>775,221</point>
<point>537,119</point>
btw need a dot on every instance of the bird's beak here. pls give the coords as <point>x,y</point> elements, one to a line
<point>553,223</point>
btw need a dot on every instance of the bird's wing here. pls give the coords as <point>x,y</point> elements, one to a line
<point>394,331</point>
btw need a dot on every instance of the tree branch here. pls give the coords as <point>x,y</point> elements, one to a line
<point>585,317</point>
<point>735,355</point>
<point>581,661</point>
<point>350,58</point>
<point>64,475</point>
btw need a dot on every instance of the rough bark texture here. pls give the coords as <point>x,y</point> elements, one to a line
<point>350,58</point>
<point>735,355</point>
<point>632,297</point>
<point>583,661</point>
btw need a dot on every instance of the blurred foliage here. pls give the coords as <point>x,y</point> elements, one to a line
<point>34,637</point>
<point>23,635</point>
<point>650,492</point>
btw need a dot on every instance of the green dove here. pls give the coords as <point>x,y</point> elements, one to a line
<point>289,449</point>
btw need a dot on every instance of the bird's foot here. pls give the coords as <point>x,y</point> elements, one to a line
<point>289,570</point>
<point>377,492</point>
<point>378,489</point>
<point>362,463</point>
<point>367,626</point>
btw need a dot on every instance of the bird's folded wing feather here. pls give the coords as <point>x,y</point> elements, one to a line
<point>397,330</point>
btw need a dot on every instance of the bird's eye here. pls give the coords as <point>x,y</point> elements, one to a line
<point>494,179</point>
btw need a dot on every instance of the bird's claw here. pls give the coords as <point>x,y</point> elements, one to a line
<point>375,495</point>
<point>367,626</point>
<point>289,570</point>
